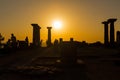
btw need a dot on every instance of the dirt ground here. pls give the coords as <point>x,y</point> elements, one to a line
<point>92,64</point>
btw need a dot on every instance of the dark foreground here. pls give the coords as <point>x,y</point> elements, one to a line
<point>92,64</point>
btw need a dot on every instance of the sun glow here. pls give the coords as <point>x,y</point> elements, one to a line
<point>57,24</point>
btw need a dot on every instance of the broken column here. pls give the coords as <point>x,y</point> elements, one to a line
<point>105,33</point>
<point>112,36</point>
<point>49,37</point>
<point>36,34</point>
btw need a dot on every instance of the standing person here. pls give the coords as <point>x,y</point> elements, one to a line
<point>13,41</point>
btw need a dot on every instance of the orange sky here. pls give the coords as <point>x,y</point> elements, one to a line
<point>81,18</point>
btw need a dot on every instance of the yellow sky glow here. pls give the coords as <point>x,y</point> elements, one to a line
<point>80,19</point>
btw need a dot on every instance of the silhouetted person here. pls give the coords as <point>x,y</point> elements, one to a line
<point>27,41</point>
<point>8,44</point>
<point>48,44</point>
<point>13,41</point>
<point>13,38</point>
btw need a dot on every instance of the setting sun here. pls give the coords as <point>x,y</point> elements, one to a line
<point>57,24</point>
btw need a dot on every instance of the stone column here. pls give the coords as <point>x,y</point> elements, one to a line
<point>118,38</point>
<point>36,34</point>
<point>49,37</point>
<point>112,36</point>
<point>105,33</point>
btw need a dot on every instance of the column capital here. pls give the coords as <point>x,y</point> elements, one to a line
<point>112,20</point>
<point>105,22</point>
<point>49,27</point>
<point>36,25</point>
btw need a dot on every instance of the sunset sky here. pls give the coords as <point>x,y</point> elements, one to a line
<point>80,19</point>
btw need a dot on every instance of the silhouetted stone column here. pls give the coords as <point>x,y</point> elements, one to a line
<point>118,38</point>
<point>49,37</point>
<point>105,33</point>
<point>36,34</point>
<point>112,36</point>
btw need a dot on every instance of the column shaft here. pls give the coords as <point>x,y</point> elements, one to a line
<point>36,34</point>
<point>112,34</point>
<point>105,33</point>
<point>49,36</point>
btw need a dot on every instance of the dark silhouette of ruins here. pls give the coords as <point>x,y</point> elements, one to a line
<point>14,43</point>
<point>23,44</point>
<point>68,52</point>
<point>118,38</point>
<point>112,33</point>
<point>71,59</point>
<point>36,34</point>
<point>49,43</point>
<point>1,39</point>
<point>106,42</point>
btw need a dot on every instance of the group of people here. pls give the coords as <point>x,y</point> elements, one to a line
<point>13,42</point>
